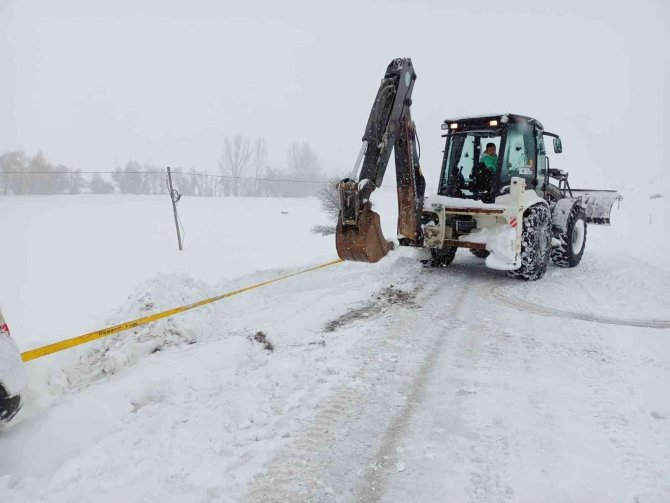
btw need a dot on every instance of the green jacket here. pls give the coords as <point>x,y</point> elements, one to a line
<point>490,161</point>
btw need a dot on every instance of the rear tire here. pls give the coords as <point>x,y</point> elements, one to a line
<point>572,240</point>
<point>442,257</point>
<point>535,243</point>
<point>480,253</point>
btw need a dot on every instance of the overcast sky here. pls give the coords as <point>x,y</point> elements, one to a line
<point>94,84</point>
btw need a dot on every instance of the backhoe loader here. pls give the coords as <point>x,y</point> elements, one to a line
<point>497,196</point>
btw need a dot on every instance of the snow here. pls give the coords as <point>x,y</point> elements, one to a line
<point>499,241</point>
<point>101,247</point>
<point>387,382</point>
<point>560,214</point>
<point>455,202</point>
<point>12,373</point>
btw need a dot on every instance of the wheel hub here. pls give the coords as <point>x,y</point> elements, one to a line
<point>578,237</point>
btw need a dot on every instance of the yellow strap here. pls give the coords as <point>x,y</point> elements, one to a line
<point>99,334</point>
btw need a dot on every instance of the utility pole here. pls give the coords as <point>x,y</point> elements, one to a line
<point>175,197</point>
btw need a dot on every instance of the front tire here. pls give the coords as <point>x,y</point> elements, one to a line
<point>535,243</point>
<point>442,257</point>
<point>572,240</point>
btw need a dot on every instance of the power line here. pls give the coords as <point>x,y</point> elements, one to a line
<point>227,177</point>
<point>176,173</point>
<point>159,173</point>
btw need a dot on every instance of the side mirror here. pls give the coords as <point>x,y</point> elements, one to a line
<point>558,147</point>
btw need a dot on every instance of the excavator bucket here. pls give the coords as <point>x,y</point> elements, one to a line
<point>597,204</point>
<point>363,242</point>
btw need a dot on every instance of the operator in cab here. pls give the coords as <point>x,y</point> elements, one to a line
<point>490,158</point>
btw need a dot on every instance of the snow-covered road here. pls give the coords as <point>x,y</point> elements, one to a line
<point>386,382</point>
<point>459,397</point>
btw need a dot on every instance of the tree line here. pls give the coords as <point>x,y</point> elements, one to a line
<point>243,171</point>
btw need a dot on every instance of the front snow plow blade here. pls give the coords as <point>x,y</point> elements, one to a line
<point>597,204</point>
<point>363,241</point>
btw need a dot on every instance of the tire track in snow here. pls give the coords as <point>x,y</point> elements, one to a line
<point>297,474</point>
<point>476,462</point>
<point>498,456</point>
<point>610,393</point>
<point>323,455</point>
<point>498,293</point>
<point>371,489</point>
<point>294,474</point>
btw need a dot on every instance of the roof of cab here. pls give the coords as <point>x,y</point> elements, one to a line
<point>514,118</point>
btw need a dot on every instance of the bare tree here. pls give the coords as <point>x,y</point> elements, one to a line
<point>329,197</point>
<point>49,179</point>
<point>303,165</point>
<point>12,166</point>
<point>235,160</point>
<point>303,162</point>
<point>131,179</point>
<point>75,181</point>
<point>36,175</point>
<point>273,187</point>
<point>259,162</point>
<point>153,180</point>
<point>98,185</point>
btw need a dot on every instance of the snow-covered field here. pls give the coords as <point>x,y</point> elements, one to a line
<point>386,382</point>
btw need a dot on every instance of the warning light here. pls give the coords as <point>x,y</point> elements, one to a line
<point>493,123</point>
<point>453,125</point>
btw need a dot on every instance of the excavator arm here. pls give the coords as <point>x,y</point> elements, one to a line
<point>359,236</point>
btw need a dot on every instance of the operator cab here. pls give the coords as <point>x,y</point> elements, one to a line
<point>519,149</point>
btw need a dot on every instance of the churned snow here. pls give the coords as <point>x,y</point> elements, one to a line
<point>499,241</point>
<point>385,382</point>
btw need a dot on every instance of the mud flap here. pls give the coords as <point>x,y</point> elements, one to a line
<point>363,242</point>
<point>597,204</point>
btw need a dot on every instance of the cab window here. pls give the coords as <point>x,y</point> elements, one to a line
<point>519,156</point>
<point>465,150</point>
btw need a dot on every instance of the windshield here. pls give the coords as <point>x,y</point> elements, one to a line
<point>471,164</point>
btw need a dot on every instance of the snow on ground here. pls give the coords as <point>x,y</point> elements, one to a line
<point>89,252</point>
<point>388,382</point>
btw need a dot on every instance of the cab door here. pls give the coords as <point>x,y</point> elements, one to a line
<point>520,155</point>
